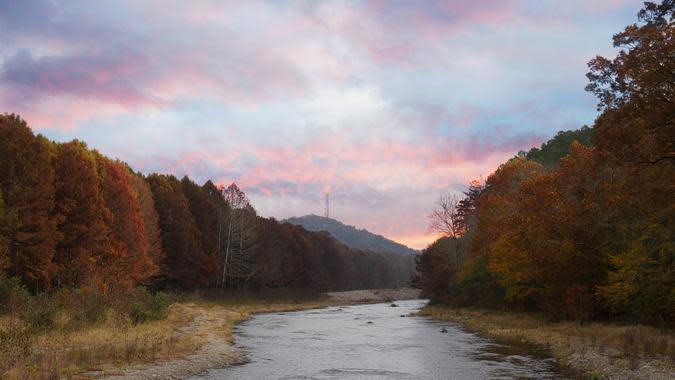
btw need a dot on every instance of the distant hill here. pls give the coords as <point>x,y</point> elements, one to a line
<point>350,235</point>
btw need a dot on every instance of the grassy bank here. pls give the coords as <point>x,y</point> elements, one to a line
<point>600,350</point>
<point>91,335</point>
<point>71,331</point>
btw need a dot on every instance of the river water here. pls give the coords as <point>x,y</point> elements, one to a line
<point>375,342</point>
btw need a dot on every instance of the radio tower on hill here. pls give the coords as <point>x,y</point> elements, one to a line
<point>327,209</point>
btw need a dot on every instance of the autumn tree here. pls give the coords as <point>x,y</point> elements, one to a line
<point>636,89</point>
<point>550,251</point>
<point>26,184</point>
<point>206,216</point>
<point>186,265</point>
<point>496,207</point>
<point>635,136</point>
<point>146,206</point>
<point>131,261</point>
<point>83,218</point>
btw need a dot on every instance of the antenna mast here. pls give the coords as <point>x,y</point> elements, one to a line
<point>327,209</point>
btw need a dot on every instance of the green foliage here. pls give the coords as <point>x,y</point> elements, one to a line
<point>642,280</point>
<point>476,285</point>
<point>72,309</point>
<point>550,152</point>
<point>146,307</point>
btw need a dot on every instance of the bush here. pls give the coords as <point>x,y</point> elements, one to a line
<point>43,318</point>
<point>146,307</point>
<point>89,307</point>
<point>12,293</point>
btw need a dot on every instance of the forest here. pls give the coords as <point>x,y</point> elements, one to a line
<point>583,227</point>
<point>73,218</point>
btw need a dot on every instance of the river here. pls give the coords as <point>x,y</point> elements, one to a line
<point>375,342</point>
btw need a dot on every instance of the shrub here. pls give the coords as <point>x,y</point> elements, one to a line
<point>12,293</point>
<point>146,307</point>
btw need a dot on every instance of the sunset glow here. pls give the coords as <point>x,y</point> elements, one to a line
<point>385,105</point>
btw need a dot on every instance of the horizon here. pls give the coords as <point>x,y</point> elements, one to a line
<point>384,107</point>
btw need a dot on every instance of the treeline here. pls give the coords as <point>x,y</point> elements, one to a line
<point>71,217</point>
<point>576,231</point>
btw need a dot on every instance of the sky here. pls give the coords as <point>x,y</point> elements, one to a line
<point>385,104</point>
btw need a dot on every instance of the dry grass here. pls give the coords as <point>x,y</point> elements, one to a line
<point>625,347</point>
<point>74,335</point>
<point>54,340</point>
<point>57,352</point>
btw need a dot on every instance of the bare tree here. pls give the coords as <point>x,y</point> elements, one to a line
<point>241,237</point>
<point>446,220</point>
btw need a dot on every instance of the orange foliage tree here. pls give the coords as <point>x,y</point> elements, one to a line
<point>26,185</point>
<point>83,219</point>
<point>146,206</point>
<point>186,266</point>
<point>634,139</point>
<point>131,262</point>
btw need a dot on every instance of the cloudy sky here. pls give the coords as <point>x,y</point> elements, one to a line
<point>387,105</point>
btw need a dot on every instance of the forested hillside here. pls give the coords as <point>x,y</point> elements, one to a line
<point>550,152</point>
<point>402,258</point>
<point>578,230</point>
<point>350,235</point>
<point>71,217</point>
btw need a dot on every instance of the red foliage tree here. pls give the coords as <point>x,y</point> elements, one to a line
<point>84,218</point>
<point>132,262</point>
<point>26,184</point>
<point>186,265</point>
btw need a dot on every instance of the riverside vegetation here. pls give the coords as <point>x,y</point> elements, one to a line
<point>598,350</point>
<point>571,245</point>
<point>137,333</point>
